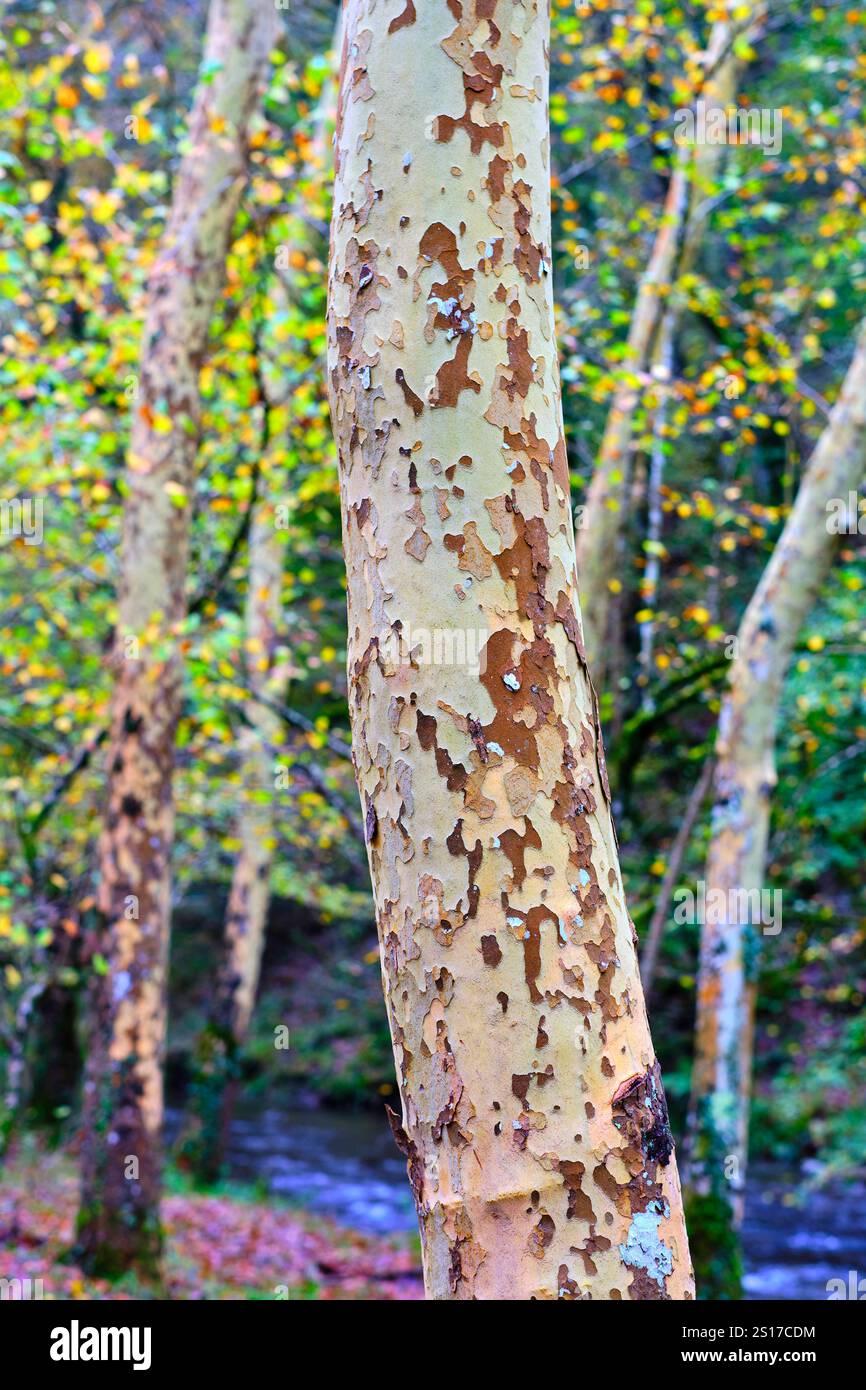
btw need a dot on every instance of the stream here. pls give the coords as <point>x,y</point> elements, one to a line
<point>346,1166</point>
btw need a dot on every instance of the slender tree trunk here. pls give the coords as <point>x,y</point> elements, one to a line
<point>218,1049</point>
<point>597,540</point>
<point>118,1218</point>
<point>675,249</point>
<point>655,517</point>
<point>661,911</point>
<point>250,890</point>
<point>719,90</point>
<point>743,785</point>
<point>533,1115</point>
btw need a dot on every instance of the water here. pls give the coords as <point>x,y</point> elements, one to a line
<point>792,1248</point>
<point>347,1167</point>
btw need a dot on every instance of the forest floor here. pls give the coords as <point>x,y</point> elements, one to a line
<point>222,1245</point>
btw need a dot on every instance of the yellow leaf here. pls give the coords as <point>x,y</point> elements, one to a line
<point>98,58</point>
<point>104,208</point>
<point>39,190</point>
<point>35,236</point>
<point>93,87</point>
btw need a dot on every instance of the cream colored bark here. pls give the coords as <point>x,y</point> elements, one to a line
<point>533,1115</point>
<point>118,1220</point>
<point>743,787</point>
<point>674,250</point>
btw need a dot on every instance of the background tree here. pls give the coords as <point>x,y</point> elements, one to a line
<point>533,1115</point>
<point>262,736</point>
<point>650,343</point>
<point>118,1220</point>
<point>743,787</point>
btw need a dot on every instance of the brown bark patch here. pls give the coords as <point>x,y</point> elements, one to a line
<point>404,20</point>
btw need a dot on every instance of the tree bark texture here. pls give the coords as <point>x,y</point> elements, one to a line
<point>118,1219</point>
<point>533,1114</point>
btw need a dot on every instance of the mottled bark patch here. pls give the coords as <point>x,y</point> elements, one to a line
<point>505,859</point>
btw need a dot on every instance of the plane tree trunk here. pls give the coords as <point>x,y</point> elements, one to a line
<point>742,789</point>
<point>118,1223</point>
<point>533,1115</point>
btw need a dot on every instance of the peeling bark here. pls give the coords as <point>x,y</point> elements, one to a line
<point>743,785</point>
<point>118,1218</point>
<point>533,1116</point>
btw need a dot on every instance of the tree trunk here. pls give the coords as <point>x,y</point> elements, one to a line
<point>664,358</point>
<point>597,541</point>
<point>118,1218</point>
<point>743,785</point>
<point>533,1115</point>
<point>674,250</point>
<point>661,911</point>
<point>218,1049</point>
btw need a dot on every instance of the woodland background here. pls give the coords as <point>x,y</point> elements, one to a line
<point>93,103</point>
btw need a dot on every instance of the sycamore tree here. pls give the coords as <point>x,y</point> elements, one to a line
<point>118,1222</point>
<point>736,918</point>
<point>533,1114</point>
